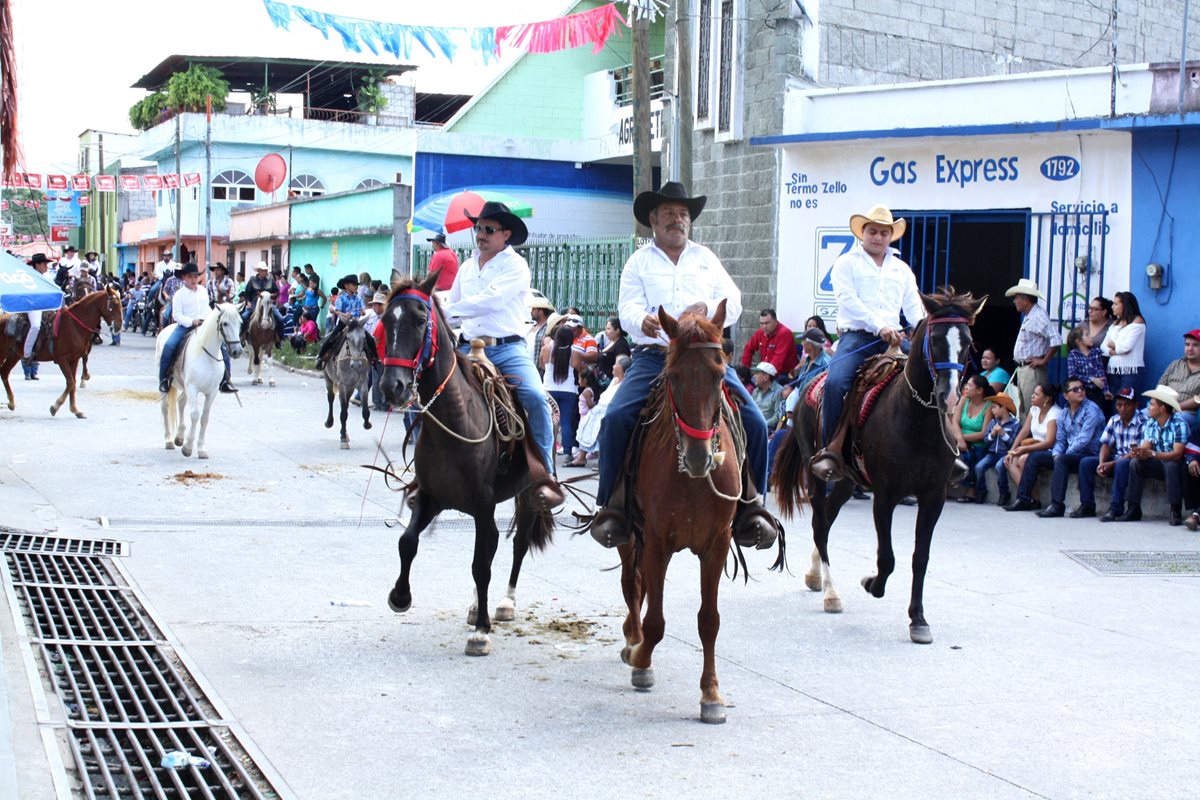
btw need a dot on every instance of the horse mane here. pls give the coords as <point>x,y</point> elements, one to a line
<point>947,302</point>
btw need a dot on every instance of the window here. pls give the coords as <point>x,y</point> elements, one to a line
<point>719,67</point>
<point>233,186</point>
<point>306,186</point>
<point>369,183</point>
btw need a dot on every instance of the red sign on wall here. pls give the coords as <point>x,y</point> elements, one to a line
<point>59,233</point>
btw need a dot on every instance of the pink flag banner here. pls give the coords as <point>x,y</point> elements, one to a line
<point>106,183</point>
<point>171,181</point>
<point>33,180</point>
<point>130,183</point>
<point>56,181</point>
<point>84,200</point>
<point>587,27</point>
<point>80,183</point>
<point>191,179</point>
<point>152,182</point>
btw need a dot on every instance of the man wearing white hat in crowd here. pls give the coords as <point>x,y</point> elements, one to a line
<point>872,287</point>
<point>1037,339</point>
<point>1159,456</point>
<point>541,309</point>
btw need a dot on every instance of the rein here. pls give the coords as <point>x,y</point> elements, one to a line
<point>933,367</point>
<point>429,348</point>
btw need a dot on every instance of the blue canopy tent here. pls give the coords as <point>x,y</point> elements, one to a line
<point>23,288</point>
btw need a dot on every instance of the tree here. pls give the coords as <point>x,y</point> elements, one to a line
<point>190,90</point>
<point>147,112</point>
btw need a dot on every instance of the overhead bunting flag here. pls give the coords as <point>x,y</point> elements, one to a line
<point>56,181</point>
<point>171,181</point>
<point>106,183</point>
<point>191,179</point>
<point>130,183</point>
<point>400,41</point>
<point>80,183</point>
<point>152,182</point>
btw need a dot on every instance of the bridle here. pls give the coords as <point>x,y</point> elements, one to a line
<point>229,343</point>
<point>932,365</point>
<point>682,428</point>
<point>425,356</point>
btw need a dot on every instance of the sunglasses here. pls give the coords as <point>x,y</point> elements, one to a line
<point>487,229</point>
<point>1075,389</point>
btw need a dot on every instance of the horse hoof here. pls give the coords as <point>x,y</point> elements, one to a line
<point>178,441</point>
<point>202,454</point>
<point>506,610</point>
<point>187,451</point>
<point>625,654</point>
<point>80,415</point>
<point>920,634</point>
<point>256,382</point>
<point>642,678</point>
<point>833,605</point>
<point>367,425</point>
<point>478,644</point>
<point>712,713</point>
<point>813,582</point>
<point>472,614</point>
<point>53,410</point>
<point>170,445</point>
<point>399,604</point>
<point>329,423</point>
<point>345,445</point>
<point>271,383</point>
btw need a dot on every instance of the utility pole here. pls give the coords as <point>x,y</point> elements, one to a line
<point>178,192</point>
<point>207,181</point>
<point>682,112</point>
<point>103,219</point>
<point>1183,54</point>
<point>643,168</point>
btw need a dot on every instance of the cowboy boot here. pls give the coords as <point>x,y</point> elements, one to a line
<point>544,488</point>
<point>227,386</point>
<point>753,525</point>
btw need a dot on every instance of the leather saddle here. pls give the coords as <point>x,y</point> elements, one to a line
<point>869,382</point>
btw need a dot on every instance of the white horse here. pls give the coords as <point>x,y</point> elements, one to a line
<point>198,370</point>
<point>260,340</point>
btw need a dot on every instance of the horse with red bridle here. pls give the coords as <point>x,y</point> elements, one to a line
<point>65,337</point>
<point>689,479</point>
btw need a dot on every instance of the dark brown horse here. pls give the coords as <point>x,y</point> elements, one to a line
<point>70,330</point>
<point>461,459</point>
<point>688,484</point>
<point>902,449</point>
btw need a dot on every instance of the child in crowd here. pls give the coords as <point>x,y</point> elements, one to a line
<point>999,431</point>
<point>589,394</point>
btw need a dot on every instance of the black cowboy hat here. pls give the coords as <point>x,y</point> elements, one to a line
<point>440,238</point>
<point>221,267</point>
<point>189,268</point>
<point>38,258</point>
<point>508,220</point>
<point>671,191</point>
<point>351,278</point>
<point>71,249</point>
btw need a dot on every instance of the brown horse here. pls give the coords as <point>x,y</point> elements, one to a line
<point>902,448</point>
<point>70,331</point>
<point>687,488</point>
<point>259,333</point>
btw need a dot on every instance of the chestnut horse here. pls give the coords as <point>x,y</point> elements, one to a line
<point>70,329</point>
<point>460,459</point>
<point>688,484</point>
<point>259,333</point>
<point>903,447</point>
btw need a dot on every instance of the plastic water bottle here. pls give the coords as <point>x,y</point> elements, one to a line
<point>177,758</point>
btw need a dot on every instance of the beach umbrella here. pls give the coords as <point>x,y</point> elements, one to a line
<point>23,288</point>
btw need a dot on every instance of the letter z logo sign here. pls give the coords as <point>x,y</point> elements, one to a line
<point>831,243</point>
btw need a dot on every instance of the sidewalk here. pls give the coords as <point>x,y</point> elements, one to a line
<point>1045,678</point>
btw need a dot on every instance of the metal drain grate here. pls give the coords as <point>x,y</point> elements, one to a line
<point>12,540</point>
<point>121,684</point>
<point>127,696</point>
<point>85,614</point>
<point>1184,563</point>
<point>242,522</point>
<point>124,762</point>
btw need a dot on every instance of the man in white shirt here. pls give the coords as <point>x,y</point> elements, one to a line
<point>91,262</point>
<point>189,307</point>
<point>70,261</point>
<point>490,297</point>
<point>165,265</point>
<point>872,287</point>
<point>672,272</point>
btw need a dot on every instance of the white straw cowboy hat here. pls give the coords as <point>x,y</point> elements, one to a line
<point>1026,286</point>
<point>1164,394</point>
<point>539,300</point>
<point>880,215</point>
<point>380,297</point>
<point>765,367</point>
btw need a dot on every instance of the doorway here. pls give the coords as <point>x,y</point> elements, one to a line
<point>981,252</point>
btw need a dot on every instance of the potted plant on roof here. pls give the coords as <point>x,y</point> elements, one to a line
<point>264,100</point>
<point>371,99</point>
<point>188,91</point>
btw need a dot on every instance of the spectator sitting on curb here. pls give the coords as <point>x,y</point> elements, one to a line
<point>1078,436</point>
<point>1159,456</point>
<point>1122,431</point>
<point>998,436</point>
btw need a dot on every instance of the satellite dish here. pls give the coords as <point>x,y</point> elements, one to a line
<point>270,173</point>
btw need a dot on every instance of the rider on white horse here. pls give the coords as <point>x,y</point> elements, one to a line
<point>189,307</point>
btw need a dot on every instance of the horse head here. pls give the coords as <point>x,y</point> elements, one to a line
<point>413,332</point>
<point>694,379</point>
<point>354,343</point>
<point>262,315</point>
<point>944,341</point>
<point>111,311</point>
<point>229,323</point>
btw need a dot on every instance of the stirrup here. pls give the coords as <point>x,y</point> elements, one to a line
<point>609,527</point>
<point>827,465</point>
<point>755,527</point>
<point>547,494</point>
<point>227,387</point>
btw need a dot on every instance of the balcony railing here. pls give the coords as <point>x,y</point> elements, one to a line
<point>623,76</point>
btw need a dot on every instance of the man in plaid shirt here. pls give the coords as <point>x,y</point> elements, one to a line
<point>1121,433</point>
<point>1159,455</point>
<point>1191,479</point>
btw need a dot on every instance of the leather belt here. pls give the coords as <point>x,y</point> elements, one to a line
<point>649,348</point>
<point>491,341</point>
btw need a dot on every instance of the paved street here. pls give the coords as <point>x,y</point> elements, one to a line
<point>1045,678</point>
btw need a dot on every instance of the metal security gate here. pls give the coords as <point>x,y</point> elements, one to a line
<point>926,248</point>
<point>1067,253</point>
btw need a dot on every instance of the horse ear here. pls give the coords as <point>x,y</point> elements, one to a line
<point>931,305</point>
<point>978,306</point>
<point>718,317</point>
<point>430,281</point>
<point>669,323</point>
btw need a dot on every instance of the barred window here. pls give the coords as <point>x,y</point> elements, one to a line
<point>719,66</point>
<point>306,186</point>
<point>233,186</point>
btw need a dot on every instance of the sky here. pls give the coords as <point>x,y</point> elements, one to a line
<point>76,59</point>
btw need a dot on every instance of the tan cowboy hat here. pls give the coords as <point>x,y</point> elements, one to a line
<point>1164,394</point>
<point>1002,399</point>
<point>1026,286</point>
<point>380,297</point>
<point>261,265</point>
<point>553,321</point>
<point>539,300</point>
<point>880,215</point>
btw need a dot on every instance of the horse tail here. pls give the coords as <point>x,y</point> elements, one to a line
<point>787,474</point>
<point>539,527</point>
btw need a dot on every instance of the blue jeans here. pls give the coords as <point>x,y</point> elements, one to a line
<point>622,415</point>
<point>1120,380</point>
<point>568,418</point>
<point>279,325</point>
<point>1116,502</point>
<point>777,438</point>
<point>1034,463</point>
<point>1169,472</point>
<point>971,457</point>
<point>129,312</point>
<point>990,461</point>
<point>853,348</point>
<point>513,361</point>
<point>1064,465</point>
